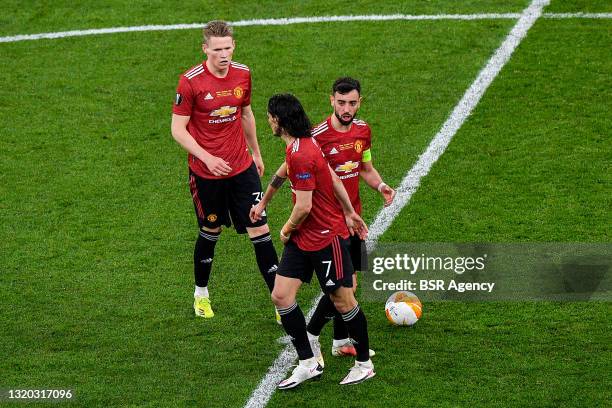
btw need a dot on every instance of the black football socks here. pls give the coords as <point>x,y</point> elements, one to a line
<point>357,327</point>
<point>203,256</point>
<point>294,324</point>
<point>324,312</point>
<point>267,260</point>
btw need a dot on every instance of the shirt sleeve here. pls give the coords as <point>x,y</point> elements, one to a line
<point>301,173</point>
<point>183,102</point>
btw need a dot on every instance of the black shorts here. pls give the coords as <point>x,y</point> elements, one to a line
<point>332,265</point>
<point>359,254</point>
<point>226,201</point>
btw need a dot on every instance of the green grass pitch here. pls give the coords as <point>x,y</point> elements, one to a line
<point>97,224</point>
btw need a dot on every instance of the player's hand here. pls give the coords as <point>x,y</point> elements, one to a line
<point>388,195</point>
<point>356,225</point>
<point>256,212</point>
<point>259,164</point>
<point>284,238</point>
<point>217,166</point>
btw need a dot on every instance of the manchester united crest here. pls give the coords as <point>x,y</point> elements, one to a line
<point>359,146</point>
<point>212,218</point>
<point>238,92</point>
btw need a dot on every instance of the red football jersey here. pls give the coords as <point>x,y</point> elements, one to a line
<point>215,107</point>
<point>344,152</point>
<point>308,171</point>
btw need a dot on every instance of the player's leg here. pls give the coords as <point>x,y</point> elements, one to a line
<point>354,318</point>
<point>245,191</point>
<point>292,318</point>
<point>203,255</point>
<point>357,325</point>
<point>329,267</point>
<point>209,211</point>
<point>325,265</point>
<point>341,344</point>
<point>324,312</point>
<point>292,271</point>
<point>332,271</point>
<point>265,254</point>
<point>336,279</point>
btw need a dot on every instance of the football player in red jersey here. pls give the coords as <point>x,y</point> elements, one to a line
<point>315,238</point>
<point>212,119</point>
<point>346,143</point>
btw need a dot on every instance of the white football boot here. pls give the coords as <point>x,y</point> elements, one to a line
<point>362,371</point>
<point>301,373</point>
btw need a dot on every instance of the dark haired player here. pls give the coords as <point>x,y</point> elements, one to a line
<point>212,119</point>
<point>315,238</point>
<point>346,143</point>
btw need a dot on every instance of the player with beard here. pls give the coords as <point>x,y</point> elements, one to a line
<point>315,238</point>
<point>346,143</point>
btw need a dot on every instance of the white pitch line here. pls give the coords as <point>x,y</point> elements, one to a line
<point>278,370</point>
<point>460,113</point>
<point>258,22</point>
<point>294,20</point>
<point>262,394</point>
<point>577,15</point>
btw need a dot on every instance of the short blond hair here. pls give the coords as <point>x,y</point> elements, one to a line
<point>217,28</point>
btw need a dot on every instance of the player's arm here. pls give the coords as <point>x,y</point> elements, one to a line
<point>371,177</point>
<point>216,165</point>
<point>301,209</point>
<point>279,177</point>
<point>353,220</point>
<point>250,135</point>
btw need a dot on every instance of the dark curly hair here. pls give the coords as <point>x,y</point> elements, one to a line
<point>290,114</point>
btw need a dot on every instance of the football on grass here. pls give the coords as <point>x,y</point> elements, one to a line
<point>403,308</point>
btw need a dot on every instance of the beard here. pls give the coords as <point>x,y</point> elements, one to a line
<point>344,122</point>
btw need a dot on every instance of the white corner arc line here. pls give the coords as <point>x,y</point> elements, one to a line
<point>262,394</point>
<point>293,20</point>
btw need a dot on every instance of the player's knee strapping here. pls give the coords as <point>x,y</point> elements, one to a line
<point>267,259</point>
<point>203,255</point>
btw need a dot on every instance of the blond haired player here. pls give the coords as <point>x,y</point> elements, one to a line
<point>213,121</point>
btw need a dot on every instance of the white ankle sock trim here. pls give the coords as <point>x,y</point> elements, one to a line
<point>341,342</point>
<point>201,291</point>
<point>309,362</point>
<point>311,336</point>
